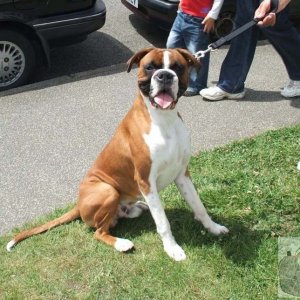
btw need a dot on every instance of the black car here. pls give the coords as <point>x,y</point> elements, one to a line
<point>163,12</point>
<point>29,28</point>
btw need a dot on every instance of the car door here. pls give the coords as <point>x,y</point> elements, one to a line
<point>66,6</point>
<point>28,4</point>
<point>44,8</point>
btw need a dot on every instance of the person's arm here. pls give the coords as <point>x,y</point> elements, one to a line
<point>209,20</point>
<point>263,11</point>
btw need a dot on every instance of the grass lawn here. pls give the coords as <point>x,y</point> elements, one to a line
<point>251,186</point>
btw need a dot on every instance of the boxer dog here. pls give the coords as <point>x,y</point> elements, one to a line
<point>150,150</point>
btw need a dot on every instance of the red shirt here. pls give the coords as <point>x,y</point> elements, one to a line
<point>196,8</point>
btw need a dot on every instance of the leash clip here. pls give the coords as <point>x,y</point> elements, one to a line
<point>202,53</point>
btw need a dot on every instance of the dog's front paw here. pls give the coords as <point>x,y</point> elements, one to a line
<point>175,252</point>
<point>123,245</point>
<point>217,229</point>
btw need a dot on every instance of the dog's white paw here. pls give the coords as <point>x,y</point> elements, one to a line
<point>123,245</point>
<point>175,252</point>
<point>217,229</point>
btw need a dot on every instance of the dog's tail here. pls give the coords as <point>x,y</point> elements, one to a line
<point>66,218</point>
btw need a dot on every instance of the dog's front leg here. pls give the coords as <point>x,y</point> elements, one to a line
<point>189,193</point>
<point>163,226</point>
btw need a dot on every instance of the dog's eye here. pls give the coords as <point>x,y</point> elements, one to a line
<point>149,67</point>
<point>177,68</point>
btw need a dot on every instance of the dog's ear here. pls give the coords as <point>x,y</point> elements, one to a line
<point>190,58</point>
<point>135,59</point>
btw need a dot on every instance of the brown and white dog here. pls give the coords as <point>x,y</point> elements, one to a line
<point>150,150</point>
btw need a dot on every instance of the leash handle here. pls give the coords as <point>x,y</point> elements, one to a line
<point>273,9</point>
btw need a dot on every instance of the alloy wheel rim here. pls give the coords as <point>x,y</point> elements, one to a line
<point>12,63</point>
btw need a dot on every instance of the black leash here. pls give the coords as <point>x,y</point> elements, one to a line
<point>223,40</point>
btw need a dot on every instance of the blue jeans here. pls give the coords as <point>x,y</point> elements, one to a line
<point>187,32</point>
<point>283,36</point>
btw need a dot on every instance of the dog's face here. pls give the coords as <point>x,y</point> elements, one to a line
<point>163,74</point>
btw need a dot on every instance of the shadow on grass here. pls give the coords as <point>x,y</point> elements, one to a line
<point>241,245</point>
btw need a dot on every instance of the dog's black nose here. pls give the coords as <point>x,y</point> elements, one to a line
<point>164,77</point>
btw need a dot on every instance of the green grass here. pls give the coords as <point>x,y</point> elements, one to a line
<point>251,186</point>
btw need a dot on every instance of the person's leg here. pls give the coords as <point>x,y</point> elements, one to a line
<point>175,38</point>
<point>196,39</point>
<point>286,40</point>
<point>237,62</point>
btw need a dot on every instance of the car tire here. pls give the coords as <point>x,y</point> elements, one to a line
<point>224,25</point>
<point>17,59</point>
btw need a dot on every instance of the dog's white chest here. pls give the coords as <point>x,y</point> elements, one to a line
<point>170,151</point>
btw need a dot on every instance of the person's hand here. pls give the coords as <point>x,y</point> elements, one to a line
<point>209,24</point>
<point>268,19</point>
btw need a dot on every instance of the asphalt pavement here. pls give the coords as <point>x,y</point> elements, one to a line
<point>52,129</point>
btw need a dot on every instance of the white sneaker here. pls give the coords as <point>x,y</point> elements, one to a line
<point>214,93</point>
<point>292,89</point>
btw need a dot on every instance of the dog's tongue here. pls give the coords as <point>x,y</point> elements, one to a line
<point>164,100</point>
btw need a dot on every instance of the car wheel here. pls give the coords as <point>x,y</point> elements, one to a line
<point>17,59</point>
<point>224,25</point>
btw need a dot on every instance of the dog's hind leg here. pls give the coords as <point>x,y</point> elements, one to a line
<point>129,211</point>
<point>133,210</point>
<point>99,209</point>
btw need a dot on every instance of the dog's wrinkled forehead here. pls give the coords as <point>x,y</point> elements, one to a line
<point>162,59</point>
<point>159,58</point>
